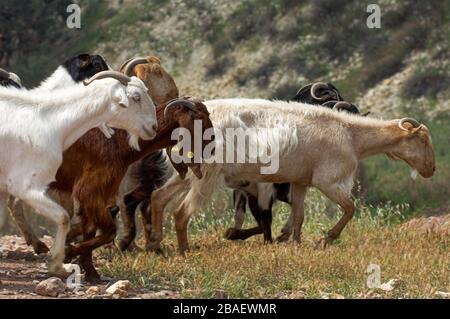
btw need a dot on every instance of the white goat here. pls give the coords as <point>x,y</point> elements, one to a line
<point>317,148</point>
<point>36,128</point>
<point>71,72</point>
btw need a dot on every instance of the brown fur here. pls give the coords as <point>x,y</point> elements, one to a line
<point>94,166</point>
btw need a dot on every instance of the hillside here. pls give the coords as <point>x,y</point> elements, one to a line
<point>268,49</point>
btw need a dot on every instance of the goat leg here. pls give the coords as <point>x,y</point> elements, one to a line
<point>91,275</point>
<point>181,222</point>
<point>127,212</point>
<point>146,216</point>
<point>343,200</point>
<point>31,239</point>
<point>159,200</point>
<point>263,216</point>
<point>298,206</point>
<point>240,203</point>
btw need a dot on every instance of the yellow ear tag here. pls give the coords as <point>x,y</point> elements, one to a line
<point>190,155</point>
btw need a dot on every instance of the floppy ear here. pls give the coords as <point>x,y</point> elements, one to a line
<point>120,96</point>
<point>181,168</point>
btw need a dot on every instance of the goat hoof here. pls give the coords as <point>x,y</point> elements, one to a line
<point>283,238</point>
<point>126,246</point>
<point>58,271</point>
<point>324,243</point>
<point>134,247</point>
<point>154,247</point>
<point>231,234</point>
<point>122,245</point>
<point>40,248</point>
<point>94,279</point>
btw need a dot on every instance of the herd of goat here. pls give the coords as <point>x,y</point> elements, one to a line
<point>91,142</point>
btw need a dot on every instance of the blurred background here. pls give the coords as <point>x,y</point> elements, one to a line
<point>268,49</point>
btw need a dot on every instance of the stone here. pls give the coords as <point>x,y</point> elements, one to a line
<point>390,285</point>
<point>332,296</point>
<point>51,287</point>
<point>92,291</point>
<point>120,288</point>
<point>443,294</point>
<point>291,294</point>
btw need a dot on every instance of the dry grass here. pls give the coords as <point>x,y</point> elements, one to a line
<point>250,269</point>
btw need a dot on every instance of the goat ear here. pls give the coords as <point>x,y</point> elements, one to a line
<point>120,96</point>
<point>85,60</point>
<point>411,129</point>
<point>181,168</point>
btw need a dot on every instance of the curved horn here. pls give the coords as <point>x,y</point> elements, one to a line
<point>342,106</point>
<point>300,96</point>
<point>330,104</point>
<point>176,103</point>
<point>323,86</point>
<point>124,64</point>
<point>15,78</point>
<point>409,120</point>
<point>122,78</point>
<point>129,67</point>
<point>4,73</point>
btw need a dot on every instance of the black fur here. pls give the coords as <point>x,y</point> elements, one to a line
<point>84,66</point>
<point>304,95</point>
<point>149,174</point>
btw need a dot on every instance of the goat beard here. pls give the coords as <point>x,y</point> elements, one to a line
<point>133,141</point>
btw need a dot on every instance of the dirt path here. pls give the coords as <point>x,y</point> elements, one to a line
<point>21,270</point>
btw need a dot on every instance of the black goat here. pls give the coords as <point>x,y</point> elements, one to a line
<point>84,66</point>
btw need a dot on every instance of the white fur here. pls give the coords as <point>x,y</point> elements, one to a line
<point>37,126</point>
<point>59,79</point>
<point>318,148</point>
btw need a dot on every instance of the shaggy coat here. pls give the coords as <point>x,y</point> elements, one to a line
<point>318,148</point>
<point>38,127</point>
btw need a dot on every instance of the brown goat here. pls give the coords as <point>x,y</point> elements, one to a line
<point>95,169</point>
<point>94,166</point>
<point>160,84</point>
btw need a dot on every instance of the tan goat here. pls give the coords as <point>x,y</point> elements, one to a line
<point>318,148</point>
